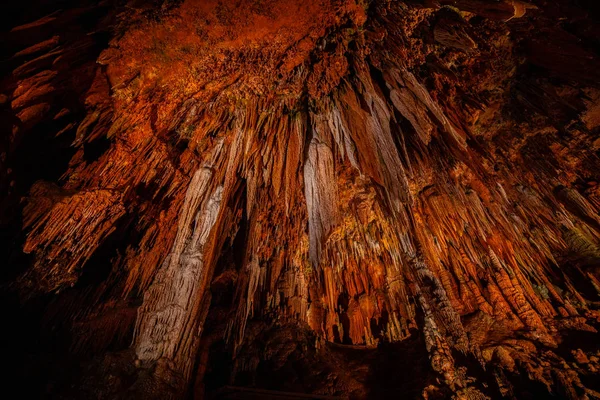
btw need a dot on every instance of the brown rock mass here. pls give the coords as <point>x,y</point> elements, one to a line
<point>276,199</point>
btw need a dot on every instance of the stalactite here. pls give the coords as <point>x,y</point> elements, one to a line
<point>320,192</point>
<point>287,183</point>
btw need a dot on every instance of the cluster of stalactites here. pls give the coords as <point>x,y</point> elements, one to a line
<point>367,214</point>
<point>377,201</point>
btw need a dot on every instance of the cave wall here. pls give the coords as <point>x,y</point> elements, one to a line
<point>202,188</point>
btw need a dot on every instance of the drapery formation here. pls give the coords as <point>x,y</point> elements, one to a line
<point>369,172</point>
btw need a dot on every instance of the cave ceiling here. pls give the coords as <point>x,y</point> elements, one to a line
<point>340,198</point>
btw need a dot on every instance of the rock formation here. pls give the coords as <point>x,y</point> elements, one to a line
<point>276,199</point>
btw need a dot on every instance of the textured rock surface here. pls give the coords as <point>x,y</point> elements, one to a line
<point>345,198</point>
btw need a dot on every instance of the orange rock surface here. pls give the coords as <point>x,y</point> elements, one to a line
<point>303,191</point>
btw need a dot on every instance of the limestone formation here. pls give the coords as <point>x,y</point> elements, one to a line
<point>337,198</point>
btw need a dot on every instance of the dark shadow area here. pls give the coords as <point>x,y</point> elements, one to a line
<point>399,370</point>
